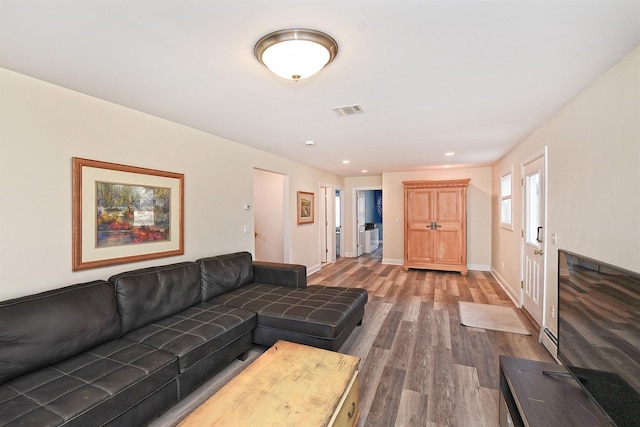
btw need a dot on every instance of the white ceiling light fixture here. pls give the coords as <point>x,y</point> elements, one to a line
<point>296,53</point>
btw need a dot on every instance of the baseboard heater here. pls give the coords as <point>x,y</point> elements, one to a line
<point>549,341</point>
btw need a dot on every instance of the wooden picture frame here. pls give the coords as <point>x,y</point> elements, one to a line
<point>124,214</point>
<point>306,207</point>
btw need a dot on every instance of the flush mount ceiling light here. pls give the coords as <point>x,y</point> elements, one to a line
<point>296,53</point>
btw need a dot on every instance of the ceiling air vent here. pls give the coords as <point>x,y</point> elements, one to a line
<point>348,110</point>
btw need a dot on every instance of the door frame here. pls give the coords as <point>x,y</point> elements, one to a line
<point>327,222</point>
<point>286,234</point>
<point>354,217</point>
<point>340,239</point>
<point>545,158</point>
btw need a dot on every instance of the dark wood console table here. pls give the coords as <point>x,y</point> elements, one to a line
<point>530,398</point>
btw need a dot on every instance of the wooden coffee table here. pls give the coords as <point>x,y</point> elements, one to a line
<point>289,385</point>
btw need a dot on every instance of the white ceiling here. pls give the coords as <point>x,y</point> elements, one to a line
<point>473,77</point>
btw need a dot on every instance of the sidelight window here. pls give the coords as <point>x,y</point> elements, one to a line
<point>506,191</point>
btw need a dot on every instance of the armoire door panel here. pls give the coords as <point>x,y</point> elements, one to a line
<point>421,247</point>
<point>422,203</point>
<point>448,206</point>
<point>448,247</point>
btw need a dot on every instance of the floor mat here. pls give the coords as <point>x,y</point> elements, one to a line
<point>492,317</point>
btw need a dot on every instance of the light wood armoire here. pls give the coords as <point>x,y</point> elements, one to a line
<point>435,225</point>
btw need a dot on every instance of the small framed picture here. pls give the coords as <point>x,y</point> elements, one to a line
<point>306,207</point>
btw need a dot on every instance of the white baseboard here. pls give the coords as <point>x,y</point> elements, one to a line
<point>392,261</point>
<point>313,269</point>
<point>479,267</point>
<point>549,341</point>
<point>505,285</point>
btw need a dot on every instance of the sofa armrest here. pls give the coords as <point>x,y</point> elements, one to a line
<point>273,273</point>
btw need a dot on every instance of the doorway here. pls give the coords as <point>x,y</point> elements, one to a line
<point>360,221</point>
<point>533,238</point>
<point>339,219</point>
<point>269,190</point>
<point>367,212</point>
<point>327,205</point>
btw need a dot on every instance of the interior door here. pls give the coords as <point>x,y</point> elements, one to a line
<point>361,215</point>
<point>324,223</point>
<point>268,218</point>
<point>339,236</point>
<point>533,262</point>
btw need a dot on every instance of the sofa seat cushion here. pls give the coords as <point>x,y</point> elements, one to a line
<point>196,332</point>
<point>319,311</point>
<point>91,388</point>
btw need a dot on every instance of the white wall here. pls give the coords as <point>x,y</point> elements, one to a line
<point>478,212</point>
<point>42,126</point>
<point>593,177</point>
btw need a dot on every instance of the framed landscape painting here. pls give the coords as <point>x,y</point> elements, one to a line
<point>305,207</point>
<point>124,214</point>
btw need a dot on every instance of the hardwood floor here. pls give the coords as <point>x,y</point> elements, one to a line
<point>420,366</point>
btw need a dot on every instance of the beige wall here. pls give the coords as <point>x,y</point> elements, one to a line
<point>478,212</point>
<point>42,126</point>
<point>593,176</point>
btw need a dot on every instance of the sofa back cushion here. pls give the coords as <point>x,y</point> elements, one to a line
<point>150,294</point>
<point>225,273</point>
<point>45,328</point>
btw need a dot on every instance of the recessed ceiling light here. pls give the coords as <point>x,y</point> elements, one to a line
<point>309,143</point>
<point>346,161</point>
<point>364,171</point>
<point>449,154</point>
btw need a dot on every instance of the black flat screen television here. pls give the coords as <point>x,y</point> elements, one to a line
<point>599,333</point>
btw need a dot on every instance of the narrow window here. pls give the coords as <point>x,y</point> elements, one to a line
<point>506,183</point>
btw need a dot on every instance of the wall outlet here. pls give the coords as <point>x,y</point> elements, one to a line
<point>553,312</point>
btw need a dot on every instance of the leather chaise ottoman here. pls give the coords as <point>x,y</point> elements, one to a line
<point>286,308</point>
<point>320,316</point>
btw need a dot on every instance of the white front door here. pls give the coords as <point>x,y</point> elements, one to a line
<point>533,238</point>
